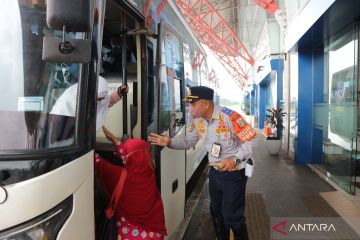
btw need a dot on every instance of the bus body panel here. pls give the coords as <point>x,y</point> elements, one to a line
<point>81,223</point>
<point>33,197</point>
<point>194,157</point>
<point>172,174</point>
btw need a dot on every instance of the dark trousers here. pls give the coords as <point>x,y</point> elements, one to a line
<point>227,193</point>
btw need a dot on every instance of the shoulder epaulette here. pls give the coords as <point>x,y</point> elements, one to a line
<point>227,111</point>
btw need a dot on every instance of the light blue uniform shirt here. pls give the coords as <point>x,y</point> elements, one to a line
<point>219,130</point>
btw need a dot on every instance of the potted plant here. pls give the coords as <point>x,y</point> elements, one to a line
<point>276,121</point>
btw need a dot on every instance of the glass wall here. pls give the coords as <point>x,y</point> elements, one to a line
<point>335,112</point>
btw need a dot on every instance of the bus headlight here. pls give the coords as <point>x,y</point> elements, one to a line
<point>43,227</point>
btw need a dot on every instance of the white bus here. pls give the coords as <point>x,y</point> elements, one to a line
<point>46,160</point>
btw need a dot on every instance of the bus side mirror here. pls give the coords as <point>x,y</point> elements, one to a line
<point>74,14</point>
<point>67,16</point>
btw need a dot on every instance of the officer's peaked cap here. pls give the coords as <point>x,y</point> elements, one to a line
<point>199,92</point>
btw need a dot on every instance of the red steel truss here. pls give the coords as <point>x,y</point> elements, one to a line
<point>273,8</point>
<point>211,29</point>
<point>198,59</point>
<point>269,5</point>
<point>212,75</point>
<point>213,78</point>
<point>160,7</point>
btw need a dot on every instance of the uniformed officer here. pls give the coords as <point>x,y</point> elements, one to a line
<point>224,134</point>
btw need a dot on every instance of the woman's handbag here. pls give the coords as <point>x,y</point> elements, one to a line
<point>109,230</point>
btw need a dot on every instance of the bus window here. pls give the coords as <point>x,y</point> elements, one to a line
<point>152,88</point>
<point>172,109</point>
<point>30,87</point>
<point>173,54</point>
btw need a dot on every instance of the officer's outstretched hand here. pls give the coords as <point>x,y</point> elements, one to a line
<point>228,164</point>
<point>160,140</point>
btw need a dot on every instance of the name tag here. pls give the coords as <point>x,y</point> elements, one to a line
<point>215,150</point>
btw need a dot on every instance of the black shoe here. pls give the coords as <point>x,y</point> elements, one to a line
<point>222,232</point>
<point>240,233</point>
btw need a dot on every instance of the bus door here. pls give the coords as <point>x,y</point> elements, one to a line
<point>120,64</point>
<point>171,115</point>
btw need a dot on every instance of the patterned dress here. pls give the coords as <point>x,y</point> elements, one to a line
<point>127,231</point>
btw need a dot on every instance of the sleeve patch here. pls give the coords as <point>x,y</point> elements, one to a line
<point>241,128</point>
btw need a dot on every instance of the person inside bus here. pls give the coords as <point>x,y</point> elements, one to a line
<point>66,103</point>
<point>64,110</point>
<point>140,213</point>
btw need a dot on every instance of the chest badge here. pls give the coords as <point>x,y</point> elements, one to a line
<point>200,125</point>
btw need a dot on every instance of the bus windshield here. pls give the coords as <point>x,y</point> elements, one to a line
<point>38,99</point>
